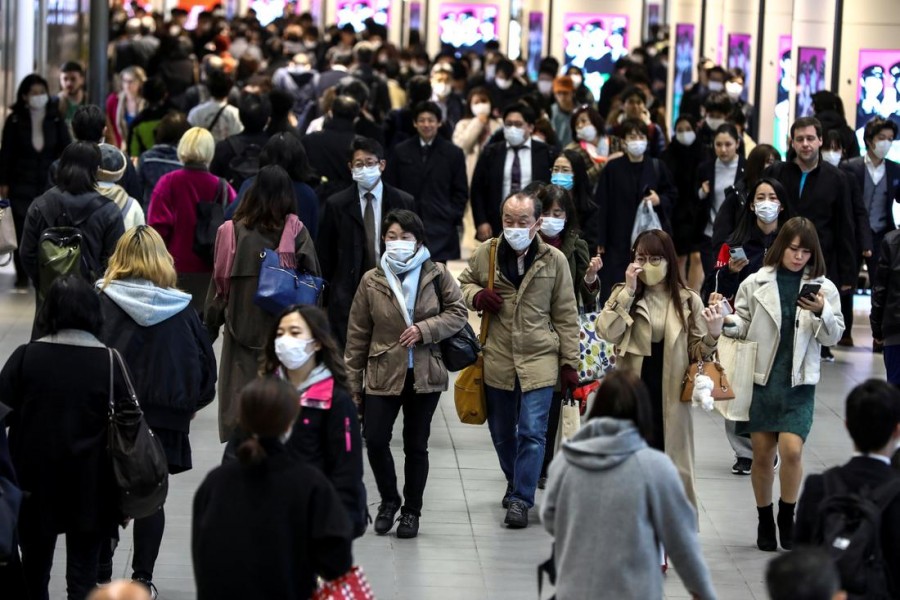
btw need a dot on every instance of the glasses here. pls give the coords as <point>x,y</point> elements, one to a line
<point>653,260</point>
<point>369,163</point>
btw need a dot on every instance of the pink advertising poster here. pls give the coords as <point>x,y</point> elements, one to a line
<point>465,27</point>
<point>593,43</point>
<point>878,92</point>
<point>782,103</point>
<point>810,78</point>
<point>684,62</point>
<point>535,42</point>
<point>739,57</point>
<point>355,12</point>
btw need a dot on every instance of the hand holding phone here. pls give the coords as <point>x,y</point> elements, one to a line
<point>809,291</point>
<point>737,253</point>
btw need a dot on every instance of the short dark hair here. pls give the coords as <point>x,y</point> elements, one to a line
<point>88,123</point>
<point>633,126</point>
<point>78,164</point>
<point>624,396</point>
<point>718,70</point>
<point>345,107</point>
<point>874,127</point>
<point>254,112</point>
<point>154,90</point>
<point>268,202</point>
<point>71,303</point>
<point>418,89</point>
<point>718,102</point>
<point>804,229</point>
<point>630,91</point>
<point>72,67</point>
<point>729,130</point>
<point>804,122</point>
<point>804,574</point>
<point>427,107</point>
<point>538,207</point>
<point>872,414</point>
<point>408,221</point>
<point>171,127</point>
<point>368,145</point>
<point>833,138</point>
<point>219,84</point>
<point>356,89</point>
<point>523,109</point>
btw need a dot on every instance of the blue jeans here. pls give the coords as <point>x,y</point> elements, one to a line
<point>892,364</point>
<point>518,424</point>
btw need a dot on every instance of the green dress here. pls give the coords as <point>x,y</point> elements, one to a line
<point>778,406</point>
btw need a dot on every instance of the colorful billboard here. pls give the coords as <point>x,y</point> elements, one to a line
<point>355,12</point>
<point>467,27</point>
<point>878,92</point>
<point>535,43</point>
<point>593,43</point>
<point>684,64</point>
<point>783,101</point>
<point>739,57</point>
<point>810,79</point>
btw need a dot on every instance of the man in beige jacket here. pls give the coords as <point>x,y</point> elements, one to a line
<point>532,343</point>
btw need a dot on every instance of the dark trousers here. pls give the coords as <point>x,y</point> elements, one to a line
<point>892,364</point>
<point>552,430</point>
<point>82,554</point>
<point>708,255</point>
<point>652,376</point>
<point>148,534</point>
<point>380,414</point>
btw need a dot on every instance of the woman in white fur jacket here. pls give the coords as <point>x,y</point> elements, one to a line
<point>789,329</point>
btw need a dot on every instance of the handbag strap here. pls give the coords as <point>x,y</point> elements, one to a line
<point>114,354</point>
<point>486,316</point>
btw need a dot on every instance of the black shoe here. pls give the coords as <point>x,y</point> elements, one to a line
<point>384,520</point>
<point>542,483</point>
<point>516,515</point>
<point>742,466</point>
<point>408,527</point>
<point>827,356</point>
<point>786,524</point>
<point>505,502</point>
<point>154,594</point>
<point>878,347</point>
<point>765,531</point>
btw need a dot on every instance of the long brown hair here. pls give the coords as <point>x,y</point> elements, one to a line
<point>268,202</point>
<point>803,228</point>
<point>656,242</point>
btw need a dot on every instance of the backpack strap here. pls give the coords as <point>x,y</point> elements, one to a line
<point>95,204</point>
<point>216,118</point>
<point>127,207</point>
<point>223,192</point>
<point>56,209</point>
<point>886,493</point>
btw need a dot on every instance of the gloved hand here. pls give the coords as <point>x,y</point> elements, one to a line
<point>488,300</point>
<point>568,379</point>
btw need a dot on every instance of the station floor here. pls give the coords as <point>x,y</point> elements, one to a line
<point>463,550</point>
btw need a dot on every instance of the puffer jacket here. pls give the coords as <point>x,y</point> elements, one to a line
<point>758,318</point>
<point>536,330</point>
<point>374,357</point>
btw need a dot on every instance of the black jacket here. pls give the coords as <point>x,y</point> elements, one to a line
<point>487,180</point>
<point>832,120</point>
<point>885,315</point>
<point>826,202</point>
<point>862,228</point>
<point>439,188</point>
<point>857,168</point>
<point>266,531</point>
<point>682,162</point>
<point>707,172</point>
<point>619,195</point>
<point>341,248</point>
<point>23,168</point>
<point>727,283</point>
<point>232,147</point>
<point>329,154</point>
<point>860,472</point>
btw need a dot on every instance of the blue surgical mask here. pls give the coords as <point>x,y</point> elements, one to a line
<point>563,180</point>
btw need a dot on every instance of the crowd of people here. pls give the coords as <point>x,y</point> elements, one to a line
<point>371,166</point>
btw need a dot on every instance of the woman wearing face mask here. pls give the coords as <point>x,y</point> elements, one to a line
<point>264,220</point>
<point>402,310</point>
<point>302,351</point>
<point>732,210</point>
<point>734,88</point>
<point>634,106</point>
<point>659,326</point>
<point>569,172</point>
<point>591,140</point>
<point>559,228</point>
<point>789,330</point>
<point>34,135</point>
<point>683,157</point>
<point>583,94</point>
<point>717,180</point>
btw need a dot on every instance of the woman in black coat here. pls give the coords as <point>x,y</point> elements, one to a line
<point>683,156</point>
<point>59,390</point>
<point>302,350</point>
<point>266,525</point>
<point>34,136</point>
<point>171,359</point>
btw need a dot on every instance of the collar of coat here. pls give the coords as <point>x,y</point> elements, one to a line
<point>428,273</point>
<point>767,292</point>
<point>674,329</point>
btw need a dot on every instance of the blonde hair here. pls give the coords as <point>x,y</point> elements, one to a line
<point>141,254</point>
<point>135,71</point>
<point>197,146</point>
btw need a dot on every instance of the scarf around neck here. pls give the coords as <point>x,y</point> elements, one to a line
<point>405,291</point>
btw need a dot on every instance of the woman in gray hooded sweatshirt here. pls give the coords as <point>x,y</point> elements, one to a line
<point>608,488</point>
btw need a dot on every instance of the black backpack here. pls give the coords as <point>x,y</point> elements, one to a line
<point>244,165</point>
<point>849,529</point>
<point>210,216</point>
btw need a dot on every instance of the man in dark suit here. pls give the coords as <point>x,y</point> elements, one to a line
<point>433,170</point>
<point>349,242</point>
<point>507,167</point>
<point>328,149</point>
<point>873,421</point>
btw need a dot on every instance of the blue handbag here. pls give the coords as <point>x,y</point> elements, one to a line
<point>280,287</point>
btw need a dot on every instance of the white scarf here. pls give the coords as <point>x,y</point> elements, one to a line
<point>406,291</point>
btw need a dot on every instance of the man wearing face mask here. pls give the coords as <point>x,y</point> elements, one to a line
<point>506,87</point>
<point>349,241</point>
<point>451,104</point>
<point>718,108</point>
<point>506,167</point>
<point>532,344</point>
<point>561,112</point>
<point>734,88</point>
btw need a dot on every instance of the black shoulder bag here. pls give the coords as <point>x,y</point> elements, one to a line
<point>462,348</point>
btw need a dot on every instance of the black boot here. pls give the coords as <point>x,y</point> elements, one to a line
<point>765,531</point>
<point>786,524</point>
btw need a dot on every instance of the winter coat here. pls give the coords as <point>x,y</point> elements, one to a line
<point>471,136</point>
<point>153,164</point>
<point>757,317</point>
<point>536,330</point>
<point>23,168</point>
<point>885,315</point>
<point>169,354</point>
<point>376,362</point>
<point>626,324</point>
<point>607,488</point>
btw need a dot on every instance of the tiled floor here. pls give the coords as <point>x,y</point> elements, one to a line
<point>463,551</point>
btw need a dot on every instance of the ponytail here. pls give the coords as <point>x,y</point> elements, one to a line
<point>251,452</point>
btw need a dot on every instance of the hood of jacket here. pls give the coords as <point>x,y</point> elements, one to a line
<point>603,443</point>
<point>144,302</point>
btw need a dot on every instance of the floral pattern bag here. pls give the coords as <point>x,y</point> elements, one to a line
<point>597,356</point>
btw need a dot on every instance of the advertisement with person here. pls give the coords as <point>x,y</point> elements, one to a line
<point>810,78</point>
<point>535,43</point>
<point>739,57</point>
<point>593,43</point>
<point>782,102</point>
<point>684,64</point>
<point>355,12</point>
<point>878,92</point>
<point>467,27</point>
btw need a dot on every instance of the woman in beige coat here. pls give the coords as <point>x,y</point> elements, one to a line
<point>393,354</point>
<point>658,325</point>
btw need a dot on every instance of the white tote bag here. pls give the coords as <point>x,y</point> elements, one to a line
<point>738,357</point>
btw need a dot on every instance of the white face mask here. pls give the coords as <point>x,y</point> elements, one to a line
<point>685,138</point>
<point>367,177</point>
<point>882,147</point>
<point>636,148</point>
<point>400,250</point>
<point>832,157</point>
<point>515,136</point>
<point>441,89</point>
<point>576,80</point>
<point>588,133</point>
<point>293,352</point>
<point>552,226</point>
<point>766,211</point>
<point>734,90</point>
<point>545,87</point>
<point>518,238</point>
<point>481,109</point>
<point>715,86</point>
<point>38,102</point>
<point>714,123</point>
<point>503,84</point>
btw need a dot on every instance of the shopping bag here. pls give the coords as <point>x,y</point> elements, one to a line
<point>569,417</point>
<point>644,220</point>
<point>597,356</point>
<point>738,357</point>
<point>352,585</point>
<point>468,394</point>
<point>8,241</point>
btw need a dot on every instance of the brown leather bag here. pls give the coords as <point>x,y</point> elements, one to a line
<point>712,369</point>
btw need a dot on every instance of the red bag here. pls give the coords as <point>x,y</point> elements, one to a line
<point>352,585</point>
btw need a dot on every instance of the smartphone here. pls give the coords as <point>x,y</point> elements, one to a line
<point>737,253</point>
<point>809,290</point>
